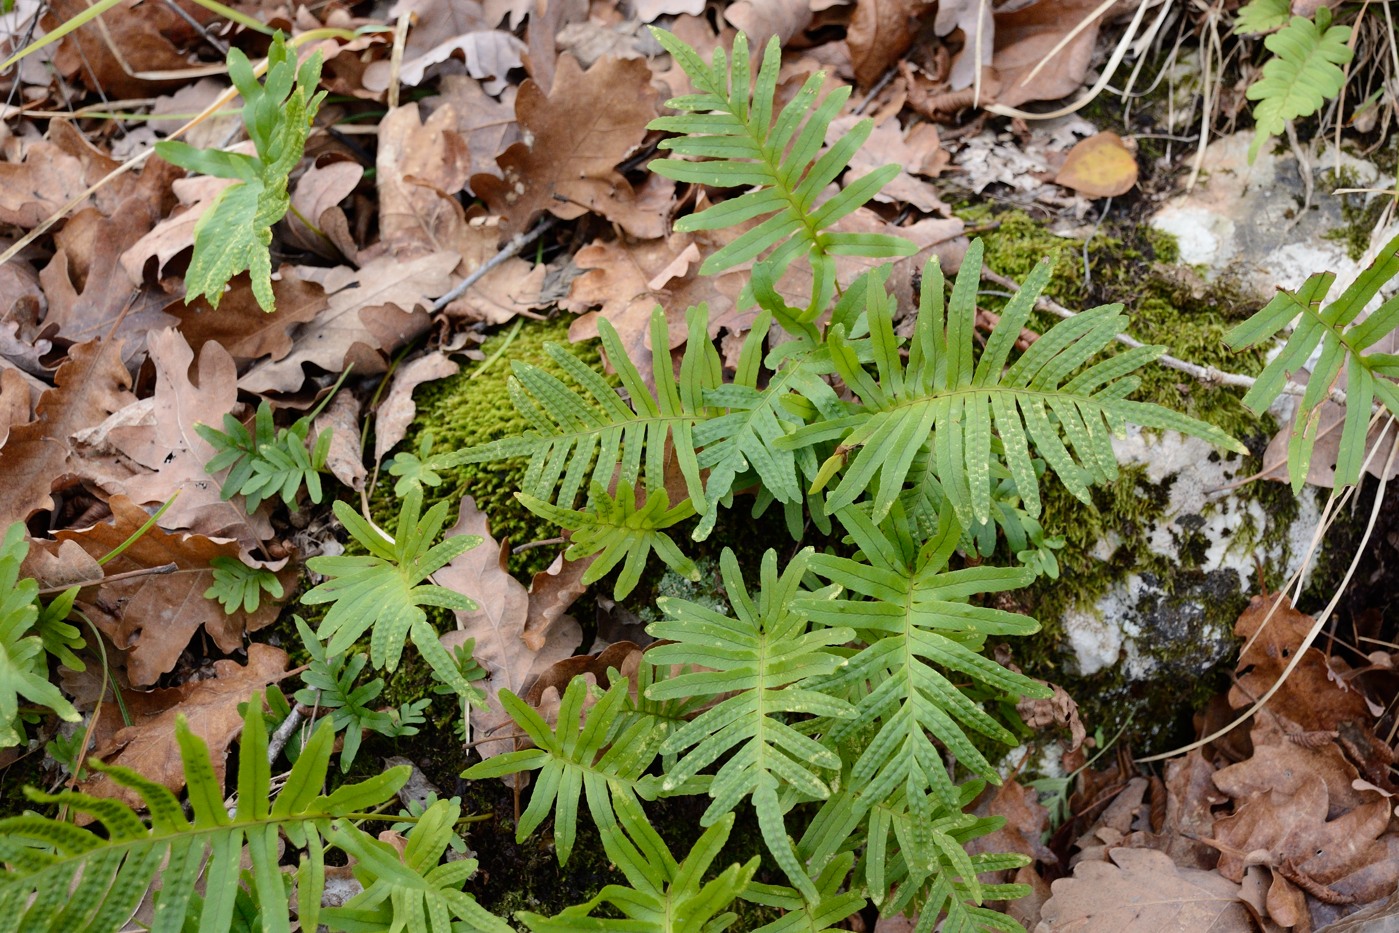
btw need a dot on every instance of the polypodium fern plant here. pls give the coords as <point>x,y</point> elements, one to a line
<point>1342,342</point>
<point>1303,74</point>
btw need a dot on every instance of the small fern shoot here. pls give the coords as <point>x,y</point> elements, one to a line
<point>779,158</point>
<point>1304,73</point>
<point>382,592</point>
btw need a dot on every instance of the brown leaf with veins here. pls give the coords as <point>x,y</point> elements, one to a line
<point>1312,697</point>
<point>352,328</point>
<point>166,239</point>
<point>916,153</point>
<point>500,625</point>
<point>1142,889</point>
<point>133,40</point>
<point>880,32</point>
<point>32,189</point>
<point>1281,764</point>
<point>488,125</point>
<point>174,454</point>
<point>445,27</point>
<point>152,617</point>
<point>240,325</point>
<point>571,142</point>
<point>342,418</point>
<point>420,167</point>
<point>760,19</point>
<point>396,413</point>
<point>40,457</point>
<point>149,745</point>
<point>1290,833</point>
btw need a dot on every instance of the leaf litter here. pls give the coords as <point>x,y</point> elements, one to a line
<point>528,109</point>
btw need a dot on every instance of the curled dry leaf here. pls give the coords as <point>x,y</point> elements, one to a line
<point>148,745</point>
<point>342,419</point>
<point>880,32</point>
<point>1142,889</point>
<point>1101,166</point>
<point>487,124</point>
<point>317,198</point>
<point>446,27</point>
<point>152,617</point>
<point>240,325</point>
<point>420,167</point>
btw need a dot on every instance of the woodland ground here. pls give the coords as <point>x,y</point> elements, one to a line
<point>515,132</point>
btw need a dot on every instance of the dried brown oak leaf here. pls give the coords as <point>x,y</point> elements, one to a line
<point>1290,833</point>
<point>41,457</point>
<point>420,167</point>
<point>1282,763</point>
<point>516,639</point>
<point>396,413</point>
<point>317,198</point>
<point>571,142</point>
<point>172,452</point>
<point>152,617</point>
<point>488,125</point>
<point>445,27</point>
<point>149,745</point>
<point>1142,889</point>
<point>879,34</point>
<point>378,308</point>
<point>1313,697</point>
<point>240,325</point>
<point>135,51</point>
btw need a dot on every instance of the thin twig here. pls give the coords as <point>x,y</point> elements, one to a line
<point>1206,375</point>
<point>115,577</point>
<point>279,739</point>
<point>508,251</point>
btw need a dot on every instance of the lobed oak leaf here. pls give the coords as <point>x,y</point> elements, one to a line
<point>38,184</point>
<point>565,165</point>
<point>149,745</point>
<point>1142,889</point>
<point>317,197</point>
<point>443,28</point>
<point>515,643</point>
<point>42,457</point>
<point>152,617</point>
<point>137,50</point>
<point>240,325</point>
<point>394,416</point>
<point>172,452</point>
<point>371,312</point>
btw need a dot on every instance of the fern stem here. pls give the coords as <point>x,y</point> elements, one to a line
<point>1206,375</point>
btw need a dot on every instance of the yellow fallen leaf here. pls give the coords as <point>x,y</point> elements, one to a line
<point>1100,166</point>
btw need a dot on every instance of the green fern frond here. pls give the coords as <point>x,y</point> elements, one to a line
<point>833,907</point>
<point>1038,400</point>
<point>383,589</point>
<point>413,891</point>
<point>596,753</point>
<point>267,462</point>
<point>665,896</point>
<point>916,621</point>
<point>1260,16</point>
<point>236,585</point>
<point>617,530</point>
<point>24,662</point>
<point>1303,75</point>
<point>1342,344</point>
<point>777,156</point>
<point>66,879</point>
<point>770,658</point>
<point>591,425</point>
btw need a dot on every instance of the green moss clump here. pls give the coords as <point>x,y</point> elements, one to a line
<point>474,407</point>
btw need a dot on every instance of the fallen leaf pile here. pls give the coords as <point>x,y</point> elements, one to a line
<point>1287,824</point>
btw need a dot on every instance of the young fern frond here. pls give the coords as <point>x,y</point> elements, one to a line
<point>1038,400</point>
<point>779,157</point>
<point>768,655</point>
<point>916,622</point>
<point>665,896</point>
<point>1303,75</point>
<point>597,753</point>
<point>383,590</point>
<point>62,878</point>
<point>591,425</point>
<point>617,530</point>
<point>1343,344</point>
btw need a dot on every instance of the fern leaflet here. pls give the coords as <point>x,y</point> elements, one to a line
<point>941,391</point>
<point>779,157</point>
<point>1342,344</point>
<point>1303,75</point>
<point>771,659</point>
